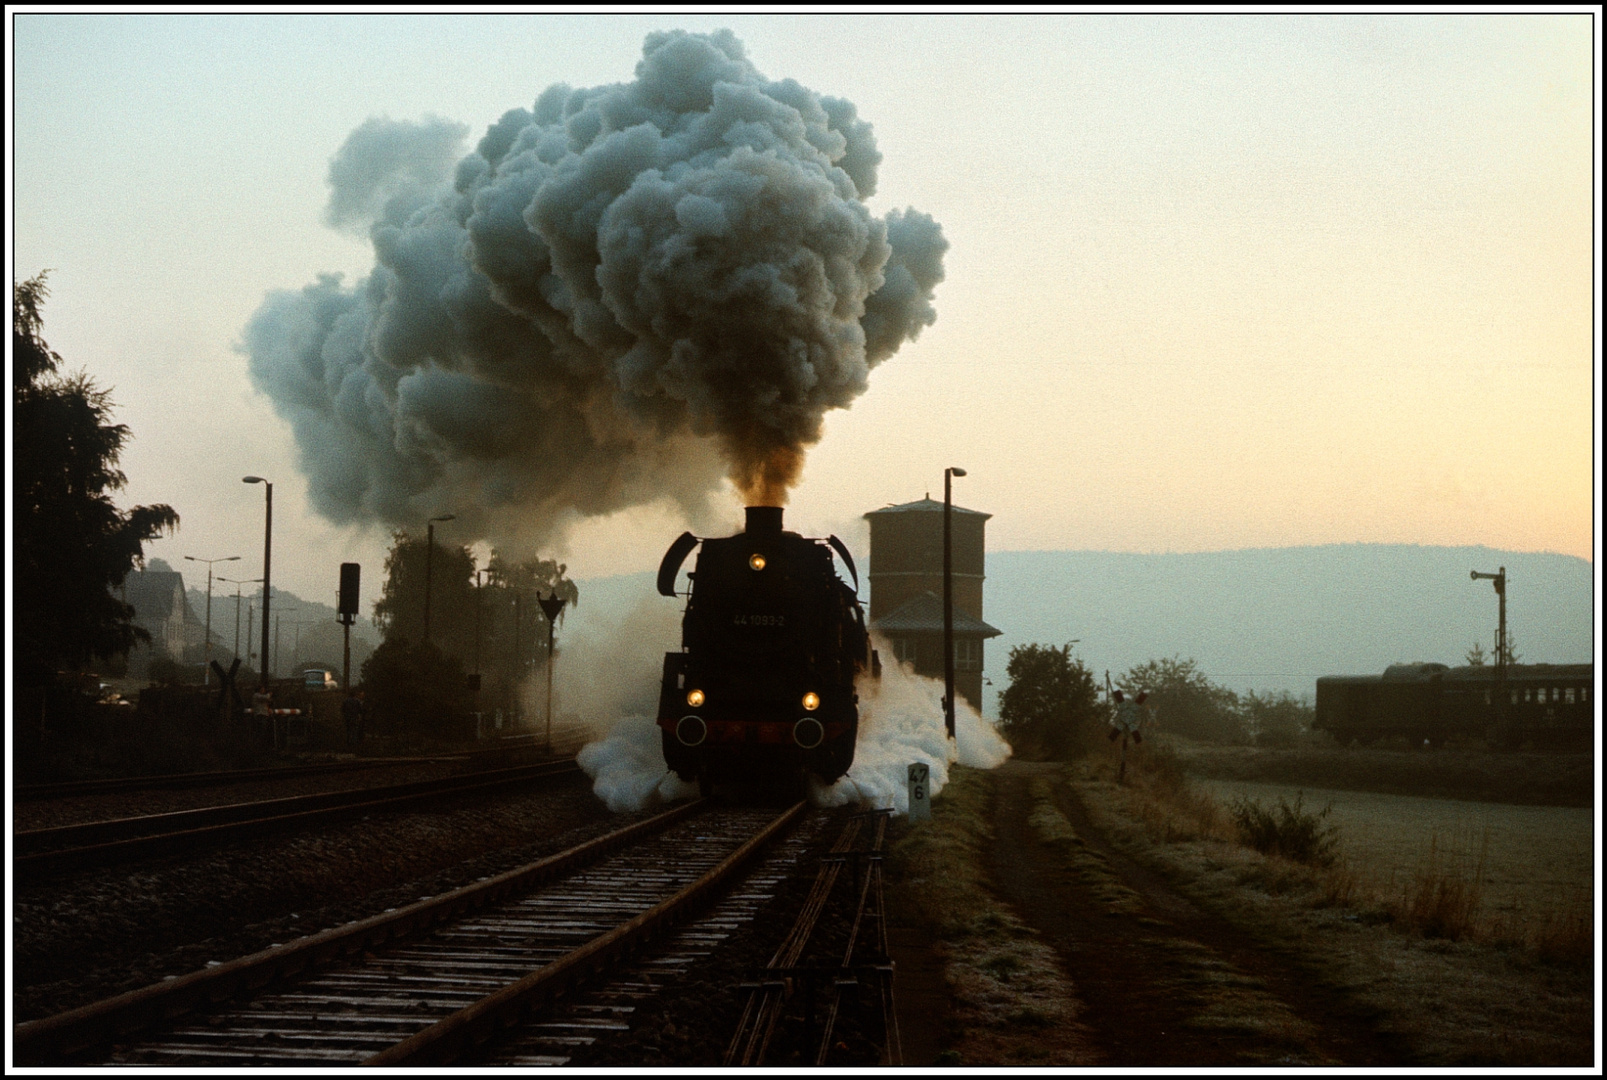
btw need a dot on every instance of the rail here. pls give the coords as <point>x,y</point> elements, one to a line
<point>98,843</point>
<point>72,1035</point>
<point>770,993</point>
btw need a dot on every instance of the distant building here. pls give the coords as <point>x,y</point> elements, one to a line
<point>906,589</point>
<point>160,609</point>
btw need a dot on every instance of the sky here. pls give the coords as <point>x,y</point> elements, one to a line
<point>1213,282</point>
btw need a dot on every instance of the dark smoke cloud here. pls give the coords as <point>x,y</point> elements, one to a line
<point>622,295</point>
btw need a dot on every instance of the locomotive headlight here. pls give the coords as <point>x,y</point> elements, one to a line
<point>811,701</point>
<point>756,561</point>
<point>694,698</point>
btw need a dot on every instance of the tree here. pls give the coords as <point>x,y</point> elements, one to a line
<point>399,611</point>
<point>495,628</point>
<point>72,545</point>
<point>1051,705</point>
<point>1477,657</point>
<point>416,688</point>
<point>1276,719</point>
<point>1186,702</point>
<point>513,626</point>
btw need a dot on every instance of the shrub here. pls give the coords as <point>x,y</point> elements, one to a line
<point>1276,719</point>
<point>416,689</point>
<point>1051,706</point>
<point>1291,832</point>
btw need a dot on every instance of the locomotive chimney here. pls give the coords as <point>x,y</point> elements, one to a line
<point>764,519</point>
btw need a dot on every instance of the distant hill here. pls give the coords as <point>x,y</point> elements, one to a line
<point>1262,619</point>
<point>1277,618</point>
<point>319,638</point>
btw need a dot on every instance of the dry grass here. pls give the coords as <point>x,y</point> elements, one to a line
<point>1013,1005</point>
<point>1441,901</point>
<point>1171,807</point>
<point>1506,980</point>
<point>1514,877</point>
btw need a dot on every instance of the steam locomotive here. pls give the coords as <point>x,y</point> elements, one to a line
<point>1544,704</point>
<point>771,643</point>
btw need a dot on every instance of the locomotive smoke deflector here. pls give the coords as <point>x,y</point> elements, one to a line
<point>673,558</point>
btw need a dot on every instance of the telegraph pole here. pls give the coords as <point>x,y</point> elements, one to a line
<point>1499,580</point>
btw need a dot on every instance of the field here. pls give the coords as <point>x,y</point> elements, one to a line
<point>1078,920</point>
<point>1468,773</point>
<point>1521,871</point>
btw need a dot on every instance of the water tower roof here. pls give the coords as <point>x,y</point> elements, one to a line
<point>925,506</point>
<point>923,614</point>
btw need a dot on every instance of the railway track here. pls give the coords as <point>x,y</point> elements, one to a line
<point>801,968</point>
<point>76,788</point>
<point>39,852</point>
<point>437,980</point>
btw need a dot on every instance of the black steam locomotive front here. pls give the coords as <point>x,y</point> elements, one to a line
<point>771,643</point>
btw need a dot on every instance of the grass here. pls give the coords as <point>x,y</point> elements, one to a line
<point>1511,876</point>
<point>1289,831</point>
<point>1012,1004</point>
<point>1442,902</point>
<point>1453,949</point>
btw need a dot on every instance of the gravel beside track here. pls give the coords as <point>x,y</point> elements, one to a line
<point>73,810</point>
<point>95,933</point>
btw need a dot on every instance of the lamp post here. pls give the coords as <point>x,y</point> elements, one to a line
<point>237,582</point>
<point>429,555</point>
<point>1499,580</point>
<point>206,656</point>
<point>477,624</point>
<point>267,562</point>
<point>948,600</point>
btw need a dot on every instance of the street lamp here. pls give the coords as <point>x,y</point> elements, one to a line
<point>206,669</point>
<point>267,574</point>
<point>429,555</point>
<point>948,600</point>
<point>237,582</point>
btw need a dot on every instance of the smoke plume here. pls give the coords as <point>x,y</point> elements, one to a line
<point>901,723</point>
<point>623,294</point>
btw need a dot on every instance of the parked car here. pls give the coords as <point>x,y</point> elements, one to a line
<point>319,679</point>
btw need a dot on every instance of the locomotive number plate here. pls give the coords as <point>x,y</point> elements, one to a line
<point>758,620</point>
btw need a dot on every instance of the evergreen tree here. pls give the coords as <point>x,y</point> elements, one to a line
<point>71,545</point>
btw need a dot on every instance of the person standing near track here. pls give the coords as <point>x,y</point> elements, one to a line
<point>351,710</point>
<point>1125,725</point>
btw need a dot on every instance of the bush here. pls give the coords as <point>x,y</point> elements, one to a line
<point>1051,706</point>
<point>417,689</point>
<point>1279,719</point>
<point>1291,832</point>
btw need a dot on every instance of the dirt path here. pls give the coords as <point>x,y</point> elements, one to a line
<point>1164,982</point>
